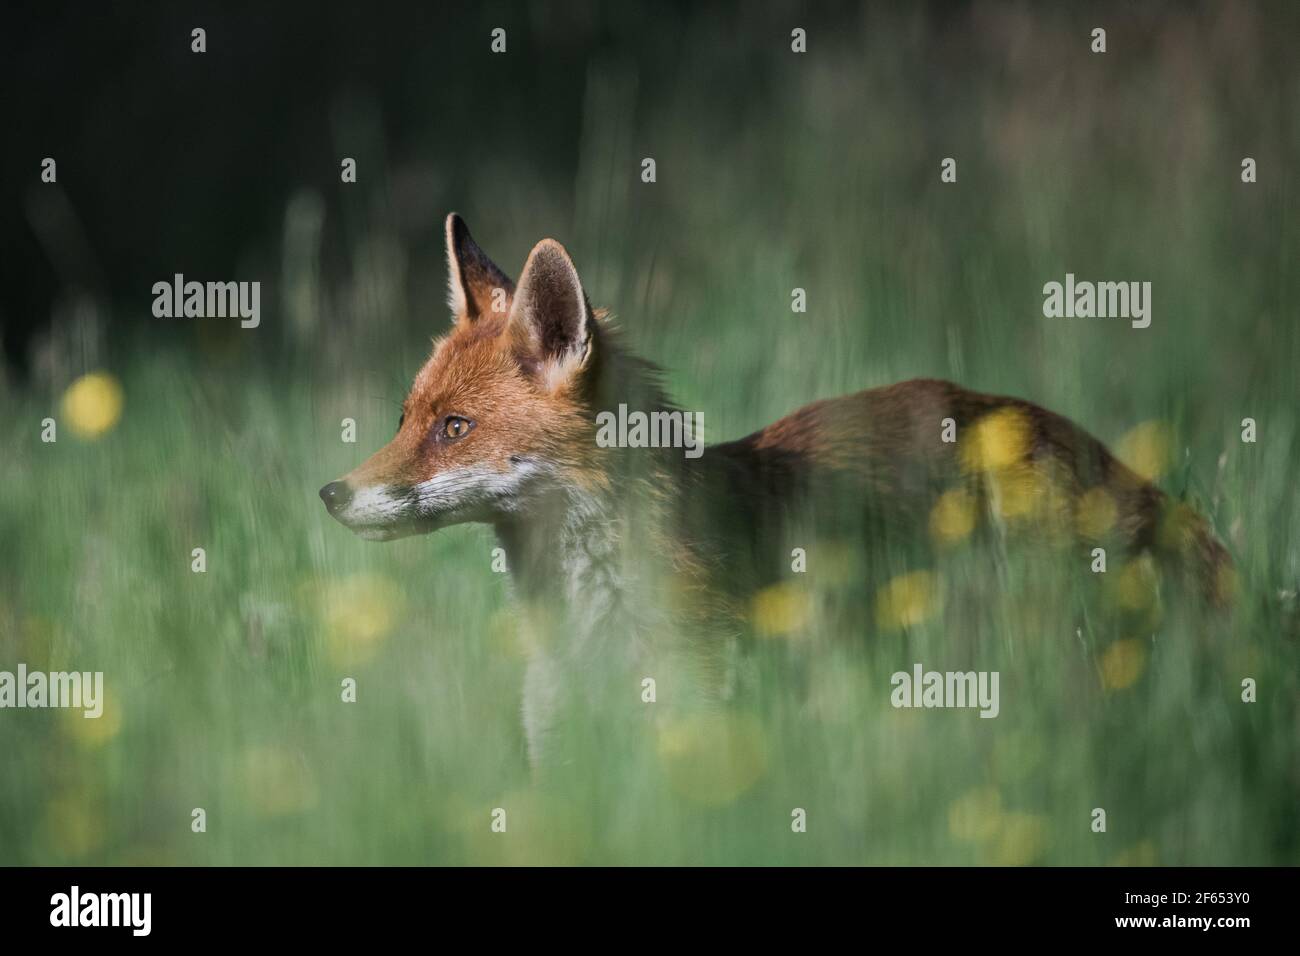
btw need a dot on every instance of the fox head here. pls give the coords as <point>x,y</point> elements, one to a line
<point>499,417</point>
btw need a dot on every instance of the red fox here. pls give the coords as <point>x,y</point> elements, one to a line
<point>501,427</point>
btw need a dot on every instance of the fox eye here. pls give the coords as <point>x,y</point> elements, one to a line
<point>453,427</point>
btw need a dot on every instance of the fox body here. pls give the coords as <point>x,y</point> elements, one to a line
<point>610,548</point>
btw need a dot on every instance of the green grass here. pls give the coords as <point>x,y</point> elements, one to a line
<point>224,687</point>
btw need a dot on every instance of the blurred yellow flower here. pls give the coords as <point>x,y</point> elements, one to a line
<point>1021,839</point>
<point>93,732</point>
<point>1096,513</point>
<point>358,612</point>
<point>907,600</point>
<point>92,404</point>
<point>953,517</point>
<point>1017,492</point>
<point>1122,663</point>
<point>540,829</point>
<point>1179,526</point>
<point>999,440</point>
<point>712,759</point>
<point>976,815</point>
<point>276,781</point>
<point>1143,853</point>
<point>1137,585</point>
<point>1148,449</point>
<point>73,824</point>
<point>781,610</point>
<point>1009,838</point>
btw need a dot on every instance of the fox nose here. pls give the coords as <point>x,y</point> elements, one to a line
<point>336,495</point>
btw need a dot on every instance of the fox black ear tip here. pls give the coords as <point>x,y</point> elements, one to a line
<point>455,224</point>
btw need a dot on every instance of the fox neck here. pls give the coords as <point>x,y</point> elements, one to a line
<point>565,564</point>
<point>575,554</point>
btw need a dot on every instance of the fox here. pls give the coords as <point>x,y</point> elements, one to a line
<point>608,548</point>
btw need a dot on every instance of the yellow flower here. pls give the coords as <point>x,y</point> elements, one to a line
<point>1143,853</point>
<point>1122,663</point>
<point>92,404</point>
<point>999,440</point>
<point>976,815</point>
<point>358,613</point>
<point>74,824</point>
<point>540,829</point>
<point>907,600</point>
<point>780,610</point>
<point>1021,839</point>
<point>712,759</point>
<point>1017,492</point>
<point>953,516</point>
<point>1136,586</point>
<point>1018,486</point>
<point>277,782</point>
<point>91,732</point>
<point>1148,449</point>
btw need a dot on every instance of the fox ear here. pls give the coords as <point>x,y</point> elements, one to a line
<point>550,312</point>
<point>475,286</point>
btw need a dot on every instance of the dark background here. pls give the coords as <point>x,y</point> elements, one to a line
<point>171,161</point>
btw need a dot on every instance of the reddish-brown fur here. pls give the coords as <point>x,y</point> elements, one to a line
<point>634,553</point>
<point>476,370</point>
<point>533,376</point>
<point>885,440</point>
